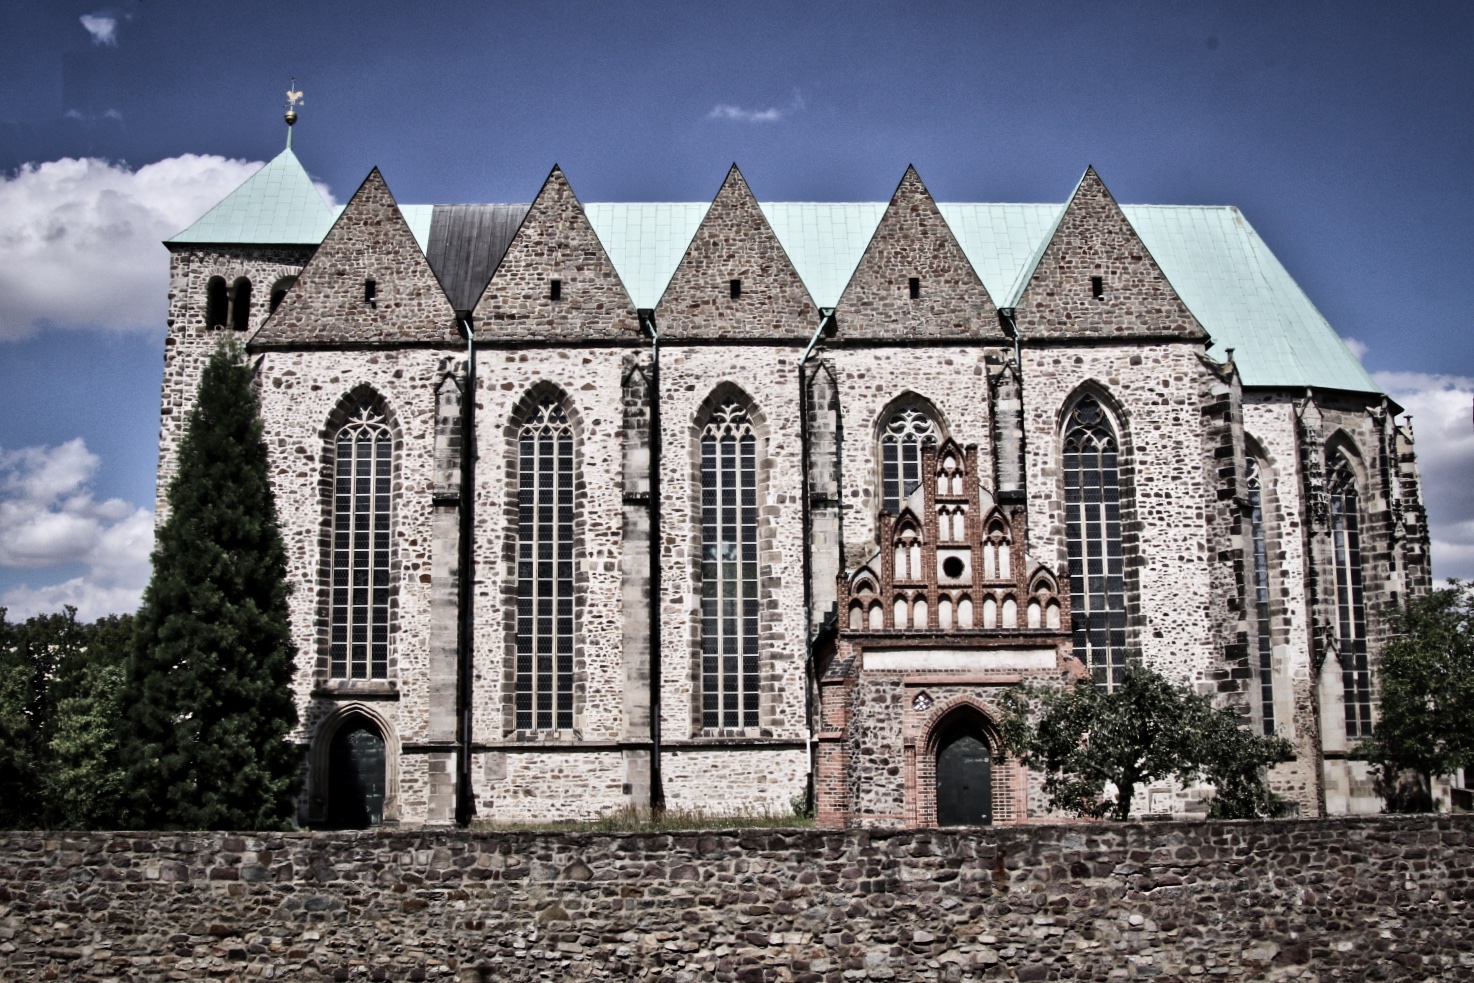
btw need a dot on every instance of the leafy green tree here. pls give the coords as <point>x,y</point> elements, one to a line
<point>207,697</point>
<point>1082,738</point>
<point>17,732</point>
<point>1426,727</point>
<point>83,778</point>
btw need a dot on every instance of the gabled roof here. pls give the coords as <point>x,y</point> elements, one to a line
<point>277,205</point>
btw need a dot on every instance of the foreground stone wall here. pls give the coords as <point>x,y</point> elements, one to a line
<point>1366,898</point>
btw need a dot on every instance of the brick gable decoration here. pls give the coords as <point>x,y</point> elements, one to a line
<point>556,281</point>
<point>368,282</point>
<point>1097,280</point>
<point>735,244</point>
<point>914,280</point>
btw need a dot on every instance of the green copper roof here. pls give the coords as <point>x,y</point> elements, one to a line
<point>824,241</point>
<point>645,242</point>
<point>277,204</point>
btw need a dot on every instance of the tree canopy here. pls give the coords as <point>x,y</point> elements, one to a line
<point>207,694</point>
<point>1083,738</point>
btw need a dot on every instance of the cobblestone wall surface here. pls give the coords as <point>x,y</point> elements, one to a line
<point>1371,898</point>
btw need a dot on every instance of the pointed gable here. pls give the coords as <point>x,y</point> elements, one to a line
<point>277,205</point>
<point>555,244</point>
<point>914,281</point>
<point>735,243</point>
<point>1095,278</point>
<point>330,303</point>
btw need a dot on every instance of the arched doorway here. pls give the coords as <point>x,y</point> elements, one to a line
<point>356,770</point>
<point>964,777</point>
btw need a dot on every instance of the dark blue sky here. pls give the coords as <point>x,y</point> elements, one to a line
<point>1344,131</point>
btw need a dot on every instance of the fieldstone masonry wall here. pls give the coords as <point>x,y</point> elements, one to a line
<point>1354,899</point>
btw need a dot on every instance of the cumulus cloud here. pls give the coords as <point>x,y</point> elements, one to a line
<point>80,240</point>
<point>1358,348</point>
<point>49,518</point>
<point>1441,406</point>
<point>103,28</point>
<point>736,114</point>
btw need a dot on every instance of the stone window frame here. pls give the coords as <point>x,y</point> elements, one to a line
<point>906,399</point>
<point>1279,614</point>
<point>334,716</point>
<point>336,419</point>
<point>769,623</point>
<point>535,395</point>
<point>1342,445</point>
<point>1132,555</point>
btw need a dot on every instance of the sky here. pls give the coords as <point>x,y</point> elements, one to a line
<point>1342,130</point>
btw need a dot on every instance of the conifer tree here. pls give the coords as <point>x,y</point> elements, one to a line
<point>207,698</point>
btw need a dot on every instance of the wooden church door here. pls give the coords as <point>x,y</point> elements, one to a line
<point>356,777</point>
<point>965,781</point>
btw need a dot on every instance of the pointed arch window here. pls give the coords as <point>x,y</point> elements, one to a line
<point>1351,620</point>
<point>906,432</point>
<point>362,512</point>
<point>1093,530</point>
<point>545,509</point>
<point>730,677</point>
<point>1263,621</point>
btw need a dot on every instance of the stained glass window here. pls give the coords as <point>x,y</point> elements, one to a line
<point>900,455</point>
<point>359,645</point>
<point>1351,618</point>
<point>545,508</point>
<point>1263,624</point>
<point>1093,530</point>
<point>730,676</point>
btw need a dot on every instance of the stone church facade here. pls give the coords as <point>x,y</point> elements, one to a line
<point>728,506</point>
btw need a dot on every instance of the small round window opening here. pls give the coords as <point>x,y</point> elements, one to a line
<point>953,567</point>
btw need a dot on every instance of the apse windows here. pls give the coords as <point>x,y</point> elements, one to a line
<point>1093,530</point>
<point>1263,622</point>
<point>544,627</point>
<point>1351,619</point>
<point>905,433</point>
<point>362,502</point>
<point>730,676</point>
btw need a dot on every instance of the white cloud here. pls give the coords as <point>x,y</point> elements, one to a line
<point>81,240</point>
<point>48,518</point>
<point>729,112</point>
<point>1441,406</point>
<point>103,28</point>
<point>1358,348</point>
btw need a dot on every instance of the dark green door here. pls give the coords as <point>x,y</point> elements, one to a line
<point>356,777</point>
<point>964,781</point>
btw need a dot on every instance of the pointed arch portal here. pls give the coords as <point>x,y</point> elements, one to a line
<point>356,775</point>
<point>964,777</point>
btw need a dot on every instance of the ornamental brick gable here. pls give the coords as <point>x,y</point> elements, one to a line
<point>368,283</point>
<point>556,281</point>
<point>914,280</point>
<point>736,280</point>
<point>1097,280</point>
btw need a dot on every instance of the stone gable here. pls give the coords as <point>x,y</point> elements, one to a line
<point>735,242</point>
<point>330,303</point>
<point>556,244</point>
<point>914,243</point>
<point>1094,240</point>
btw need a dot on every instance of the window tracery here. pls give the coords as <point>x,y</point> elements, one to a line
<point>545,511</point>
<point>362,512</point>
<point>730,677</point>
<point>1351,622</point>
<point>906,432</point>
<point>1262,614</point>
<point>1093,530</point>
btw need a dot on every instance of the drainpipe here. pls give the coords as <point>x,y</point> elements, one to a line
<point>657,789</point>
<point>465,800</point>
<point>826,326</point>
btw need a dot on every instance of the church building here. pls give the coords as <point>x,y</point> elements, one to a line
<point>736,505</point>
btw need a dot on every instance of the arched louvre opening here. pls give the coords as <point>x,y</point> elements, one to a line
<point>730,676</point>
<point>362,512</point>
<point>240,304</point>
<point>906,432</point>
<point>1263,622</point>
<point>545,511</point>
<point>356,776</point>
<point>1351,619</point>
<point>1093,530</point>
<point>217,302</point>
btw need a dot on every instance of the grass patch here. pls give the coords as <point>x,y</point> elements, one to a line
<point>667,821</point>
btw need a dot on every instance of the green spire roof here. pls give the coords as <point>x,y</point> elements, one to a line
<point>276,205</point>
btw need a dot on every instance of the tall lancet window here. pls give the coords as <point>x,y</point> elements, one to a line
<point>1093,528</point>
<point>1263,623</point>
<point>906,432</point>
<point>545,571</point>
<point>1351,617</point>
<point>730,677</point>
<point>362,492</point>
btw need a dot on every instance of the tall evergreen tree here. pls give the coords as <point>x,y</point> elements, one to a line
<point>207,698</point>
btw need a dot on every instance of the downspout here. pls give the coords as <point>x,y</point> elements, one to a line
<point>465,800</point>
<point>826,325</point>
<point>657,790</point>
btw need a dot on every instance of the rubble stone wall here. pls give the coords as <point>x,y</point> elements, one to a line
<point>1362,898</point>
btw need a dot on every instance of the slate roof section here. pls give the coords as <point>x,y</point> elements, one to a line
<point>466,242</point>
<point>278,205</point>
